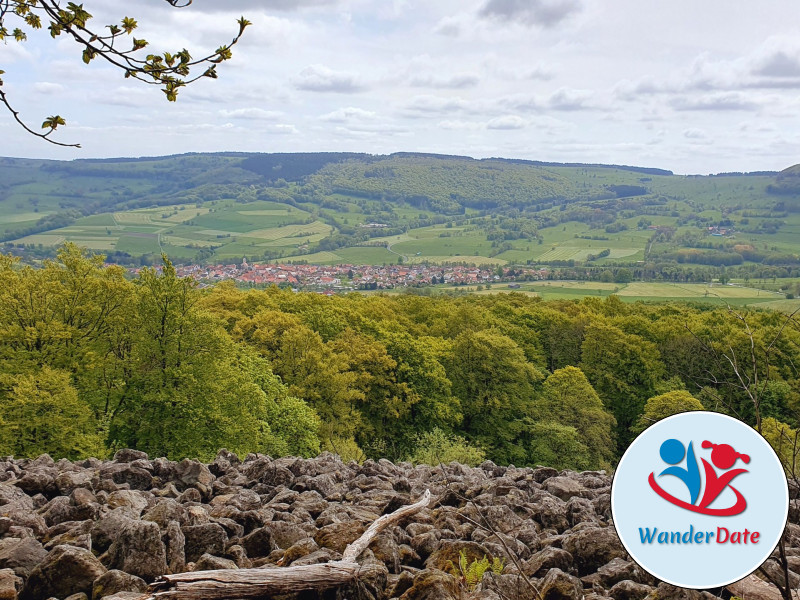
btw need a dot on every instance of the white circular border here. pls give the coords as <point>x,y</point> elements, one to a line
<point>653,573</point>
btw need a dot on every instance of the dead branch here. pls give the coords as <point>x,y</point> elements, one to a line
<point>259,583</point>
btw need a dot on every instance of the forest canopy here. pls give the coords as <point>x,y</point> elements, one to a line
<point>92,361</point>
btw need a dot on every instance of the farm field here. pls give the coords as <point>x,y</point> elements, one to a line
<point>640,291</point>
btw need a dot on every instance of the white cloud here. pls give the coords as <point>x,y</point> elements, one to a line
<point>542,13</point>
<point>319,78</point>
<point>507,123</point>
<point>250,114</point>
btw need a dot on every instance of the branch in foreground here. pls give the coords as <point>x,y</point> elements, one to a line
<point>258,583</point>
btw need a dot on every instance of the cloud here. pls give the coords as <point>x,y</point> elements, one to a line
<point>541,13</point>
<point>251,114</point>
<point>569,99</point>
<point>435,104</point>
<point>455,81</point>
<point>344,115</point>
<point>779,58</point>
<point>319,78</point>
<point>47,88</point>
<point>507,123</point>
<point>694,134</point>
<point>259,5</point>
<point>723,101</point>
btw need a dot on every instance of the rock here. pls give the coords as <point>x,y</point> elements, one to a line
<point>386,550</point>
<point>201,539</point>
<point>564,488</point>
<point>618,570</point>
<point>192,473</point>
<point>558,585</point>
<point>753,588</point>
<point>10,585</point>
<point>593,547</point>
<point>207,562</point>
<point>508,586</point>
<point>432,584</point>
<point>128,456</point>
<point>108,528</point>
<point>78,596</point>
<point>549,558</point>
<point>165,511</point>
<point>175,543</point>
<point>66,570</point>
<point>337,536</point>
<point>67,482</point>
<point>299,550</point>
<point>450,552</point>
<point>124,596</point>
<point>629,590</point>
<point>134,500</point>
<point>125,473</point>
<point>259,543</point>
<point>21,556</point>
<point>551,512</point>
<point>115,581</point>
<point>285,534</point>
<point>138,550</point>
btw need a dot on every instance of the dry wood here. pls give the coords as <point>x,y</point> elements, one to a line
<point>260,583</point>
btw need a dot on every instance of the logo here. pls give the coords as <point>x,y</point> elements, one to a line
<point>699,500</point>
<point>723,457</point>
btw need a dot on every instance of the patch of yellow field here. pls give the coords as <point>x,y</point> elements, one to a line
<point>216,232</point>
<point>689,290</point>
<point>133,218</point>
<point>588,285</point>
<point>290,231</point>
<point>22,217</point>
<point>42,238</point>
<point>186,215</point>
<point>179,241</point>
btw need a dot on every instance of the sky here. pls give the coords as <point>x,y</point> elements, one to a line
<point>694,87</point>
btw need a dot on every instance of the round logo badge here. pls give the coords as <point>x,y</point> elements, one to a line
<point>699,500</point>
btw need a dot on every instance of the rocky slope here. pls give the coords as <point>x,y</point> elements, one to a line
<point>93,529</point>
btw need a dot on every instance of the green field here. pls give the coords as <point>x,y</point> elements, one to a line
<point>734,295</point>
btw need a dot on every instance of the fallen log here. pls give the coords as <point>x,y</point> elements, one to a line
<point>258,583</point>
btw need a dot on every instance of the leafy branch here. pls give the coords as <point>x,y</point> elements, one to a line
<point>170,70</point>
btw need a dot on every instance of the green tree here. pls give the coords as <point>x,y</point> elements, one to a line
<point>568,398</point>
<point>665,405</point>
<point>495,385</point>
<point>623,369</point>
<point>558,446</point>
<point>42,413</point>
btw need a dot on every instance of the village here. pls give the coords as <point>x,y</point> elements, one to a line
<point>342,278</point>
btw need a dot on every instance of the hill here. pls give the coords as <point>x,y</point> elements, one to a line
<point>351,208</point>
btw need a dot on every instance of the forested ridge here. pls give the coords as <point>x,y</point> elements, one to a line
<point>91,362</point>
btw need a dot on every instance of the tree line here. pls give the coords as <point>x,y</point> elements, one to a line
<point>92,361</point>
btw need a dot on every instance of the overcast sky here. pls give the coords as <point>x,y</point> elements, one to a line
<point>696,87</point>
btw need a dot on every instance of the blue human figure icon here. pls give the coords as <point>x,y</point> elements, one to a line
<point>672,453</point>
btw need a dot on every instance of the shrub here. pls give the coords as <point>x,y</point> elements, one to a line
<point>437,446</point>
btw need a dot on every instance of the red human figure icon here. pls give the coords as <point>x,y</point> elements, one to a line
<point>724,457</point>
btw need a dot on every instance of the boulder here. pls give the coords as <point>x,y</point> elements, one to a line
<point>66,570</point>
<point>558,585</point>
<point>432,584</point>
<point>114,581</point>
<point>337,536</point>
<point>21,555</point>
<point>138,550</point>
<point>207,562</point>
<point>10,585</point>
<point>201,539</point>
<point>629,590</point>
<point>592,547</point>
